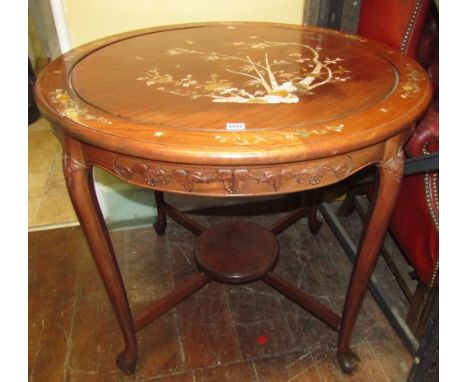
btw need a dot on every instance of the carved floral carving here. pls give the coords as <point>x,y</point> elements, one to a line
<point>396,166</point>
<point>232,179</point>
<point>71,165</point>
<point>150,175</point>
<point>189,178</point>
<point>276,178</point>
<point>313,175</point>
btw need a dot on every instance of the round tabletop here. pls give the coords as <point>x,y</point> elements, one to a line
<point>233,93</point>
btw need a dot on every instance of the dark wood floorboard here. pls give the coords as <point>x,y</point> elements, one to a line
<point>223,333</point>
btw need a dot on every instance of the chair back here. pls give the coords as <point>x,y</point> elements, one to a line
<point>397,23</point>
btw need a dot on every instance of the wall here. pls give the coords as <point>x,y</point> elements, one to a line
<point>42,32</point>
<point>124,205</point>
<point>91,19</point>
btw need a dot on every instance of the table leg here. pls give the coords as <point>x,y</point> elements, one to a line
<point>81,190</point>
<point>313,221</point>
<point>378,218</point>
<point>161,223</point>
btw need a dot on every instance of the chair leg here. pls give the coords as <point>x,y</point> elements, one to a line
<point>161,223</point>
<point>347,207</point>
<point>419,308</point>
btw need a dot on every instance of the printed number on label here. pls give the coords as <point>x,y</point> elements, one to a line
<point>235,126</point>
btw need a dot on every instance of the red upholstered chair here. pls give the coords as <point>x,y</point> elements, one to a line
<point>397,23</point>
<point>411,27</point>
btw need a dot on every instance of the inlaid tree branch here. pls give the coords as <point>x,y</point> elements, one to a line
<point>267,81</point>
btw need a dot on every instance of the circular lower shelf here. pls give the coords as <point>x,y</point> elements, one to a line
<point>236,252</point>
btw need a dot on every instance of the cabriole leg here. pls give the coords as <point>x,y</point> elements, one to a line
<point>378,218</point>
<point>81,190</point>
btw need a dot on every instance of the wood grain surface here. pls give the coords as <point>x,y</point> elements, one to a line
<point>169,93</point>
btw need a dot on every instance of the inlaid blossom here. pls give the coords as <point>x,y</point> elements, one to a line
<point>267,79</point>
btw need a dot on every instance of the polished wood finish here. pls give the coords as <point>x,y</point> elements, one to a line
<point>236,252</point>
<point>81,189</point>
<point>231,110</point>
<point>390,174</point>
<point>141,121</point>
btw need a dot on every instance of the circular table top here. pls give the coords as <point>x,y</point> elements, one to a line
<point>233,93</point>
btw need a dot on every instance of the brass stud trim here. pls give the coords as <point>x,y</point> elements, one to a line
<point>409,29</point>
<point>432,185</point>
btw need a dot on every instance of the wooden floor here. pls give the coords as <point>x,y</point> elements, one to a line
<point>223,333</point>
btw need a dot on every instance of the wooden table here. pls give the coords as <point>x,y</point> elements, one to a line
<point>232,110</point>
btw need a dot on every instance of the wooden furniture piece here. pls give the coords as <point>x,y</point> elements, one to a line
<point>232,110</point>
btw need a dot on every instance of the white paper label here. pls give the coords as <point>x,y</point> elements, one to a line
<point>235,126</point>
